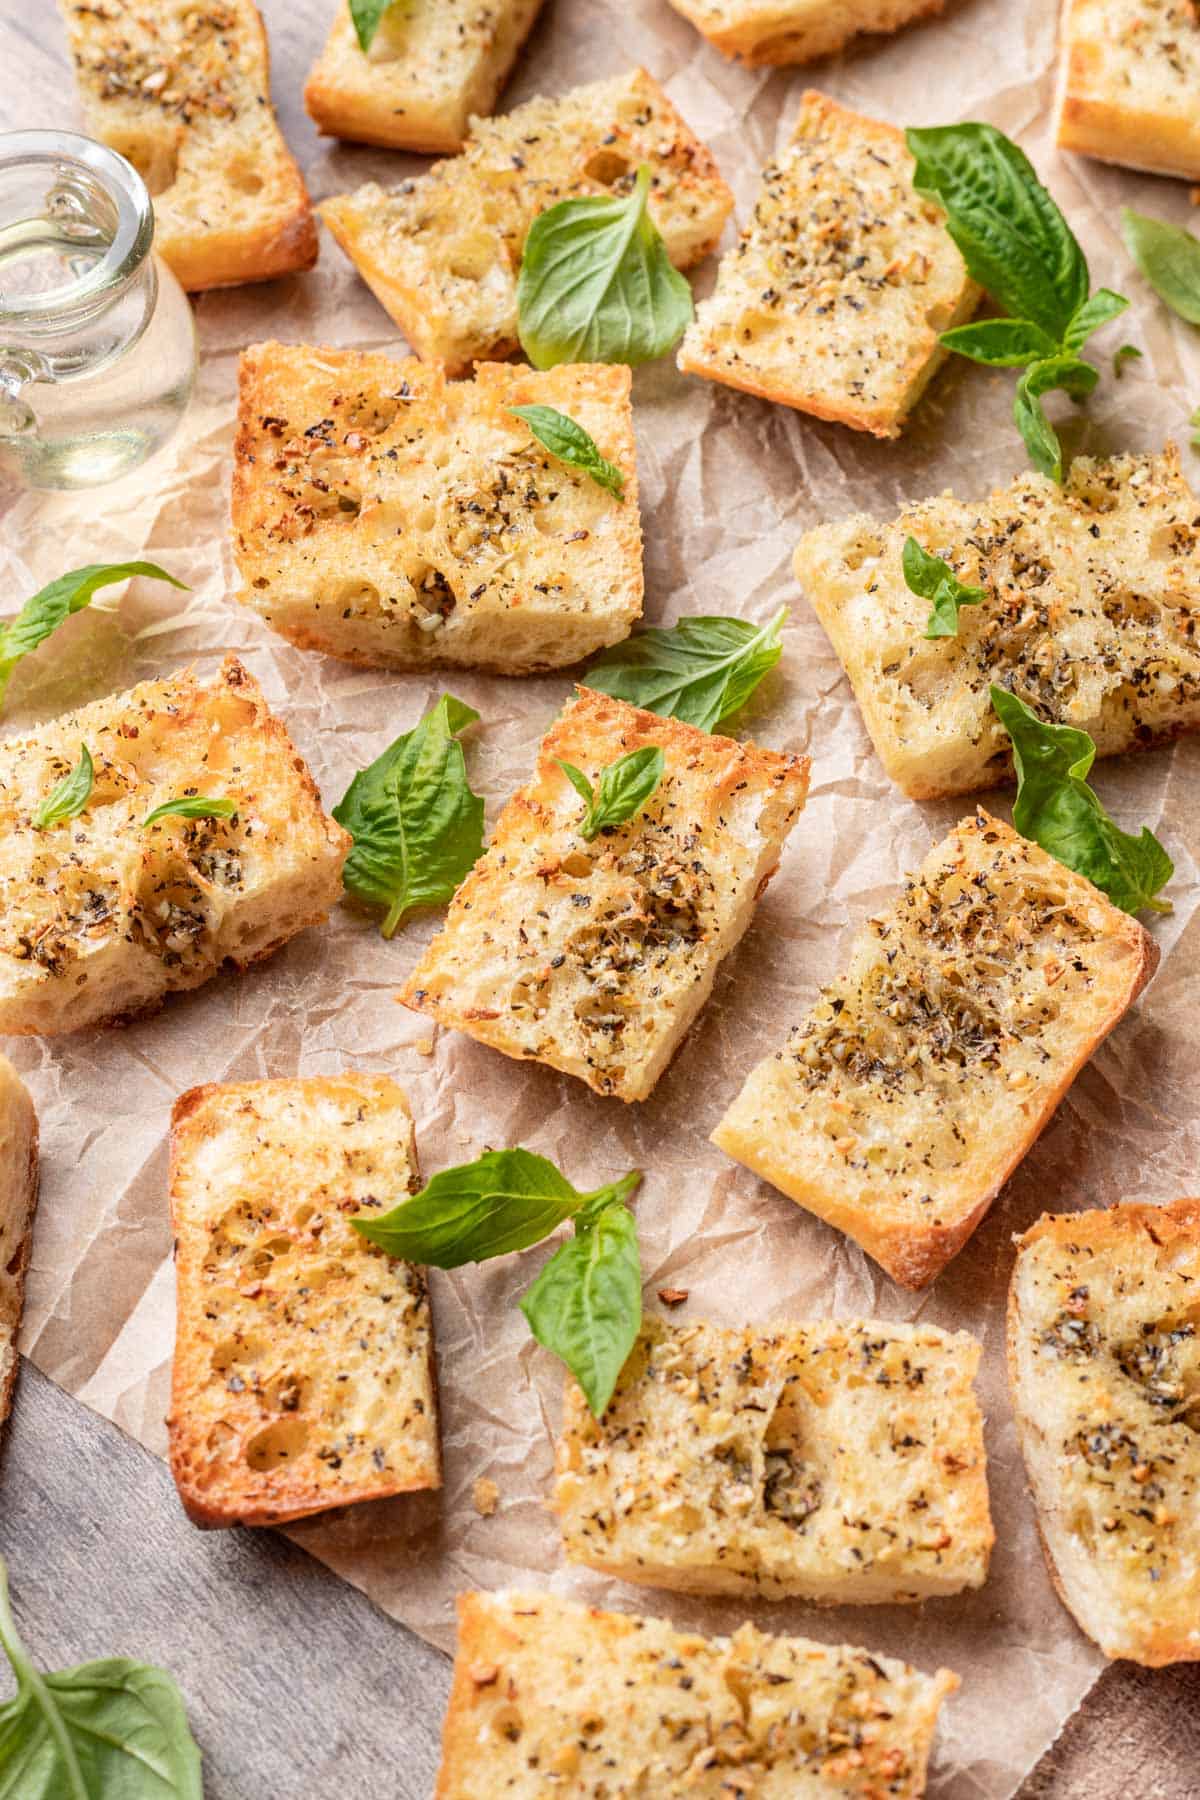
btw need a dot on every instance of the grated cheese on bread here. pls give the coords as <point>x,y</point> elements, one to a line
<point>758,32</point>
<point>303,1373</point>
<point>901,1105</point>
<point>388,516</point>
<point>100,916</point>
<point>550,1697</point>
<point>1129,77</point>
<point>442,251</point>
<point>432,66</point>
<point>183,92</point>
<point>1093,591</point>
<point>833,1461</point>
<point>1104,1365</point>
<point>18,1197</point>
<point>835,295</point>
<point>595,958</point>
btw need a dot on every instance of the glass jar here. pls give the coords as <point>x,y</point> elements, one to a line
<point>97,343</point>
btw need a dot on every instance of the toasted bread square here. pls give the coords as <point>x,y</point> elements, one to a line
<point>433,65</point>
<point>1129,83</point>
<point>922,1076</point>
<point>1093,594</point>
<point>594,958</point>
<point>1104,1365</point>
<point>834,298</point>
<point>303,1372</point>
<point>102,916</point>
<point>834,1461</point>
<point>758,32</point>
<point>388,516</point>
<point>183,92</point>
<point>18,1197</point>
<point>442,252</point>
<point>552,1697</point>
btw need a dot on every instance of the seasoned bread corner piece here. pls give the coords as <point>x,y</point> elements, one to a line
<point>1129,77</point>
<point>594,958</point>
<point>1104,1365</point>
<point>1093,592</point>
<point>442,251</point>
<point>433,65</point>
<point>183,92</point>
<point>303,1371</point>
<point>388,516</point>
<point>101,916</point>
<point>553,1697</point>
<point>834,297</point>
<point>758,32</point>
<point>833,1461</point>
<point>922,1076</point>
<point>18,1197</point>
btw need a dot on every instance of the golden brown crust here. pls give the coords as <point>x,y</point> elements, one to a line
<point>773,33</point>
<point>1129,73</point>
<point>18,1202</point>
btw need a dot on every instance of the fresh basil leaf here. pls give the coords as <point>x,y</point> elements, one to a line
<point>95,1732</point>
<point>1100,309</point>
<point>586,1305</point>
<point>1074,377</point>
<point>1001,343</point>
<point>701,671</point>
<point>417,826</point>
<point>623,789</point>
<point>192,806</point>
<point>1013,238</point>
<point>68,797</point>
<point>597,285</point>
<point>932,579</point>
<point>1169,258</point>
<point>562,437</point>
<point>1126,353</point>
<point>45,611</point>
<point>1057,809</point>
<point>1194,422</point>
<point>506,1200</point>
<point>367,16</point>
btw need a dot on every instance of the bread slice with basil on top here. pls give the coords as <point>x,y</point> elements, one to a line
<point>834,297</point>
<point>923,1075</point>
<point>1129,76</point>
<point>758,32</point>
<point>183,92</point>
<point>1092,591</point>
<point>18,1198</point>
<point>553,1697</point>
<point>432,66</point>
<point>595,957</point>
<point>1104,1365</point>
<point>393,518</point>
<point>837,1461</point>
<point>442,251</point>
<point>303,1374</point>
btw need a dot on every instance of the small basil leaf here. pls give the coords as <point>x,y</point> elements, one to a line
<point>1057,809</point>
<point>69,797</point>
<point>45,611</point>
<point>586,1305</point>
<point>701,671</point>
<point>1126,353</point>
<point>1100,309</point>
<point>934,580</point>
<point>1076,378</point>
<point>193,806</point>
<point>367,16</point>
<point>1001,343</point>
<point>417,826</point>
<point>571,444</point>
<point>1169,258</point>
<point>597,285</point>
<point>1194,422</point>
<point>623,789</point>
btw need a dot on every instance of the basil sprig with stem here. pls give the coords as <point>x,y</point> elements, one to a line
<point>46,610</point>
<point>586,1305</point>
<point>367,16</point>
<point>417,826</point>
<point>106,1728</point>
<point>1057,809</point>
<point>192,806</point>
<point>1016,244</point>
<point>622,790</point>
<point>1169,258</point>
<point>559,434</point>
<point>702,670</point>
<point>597,285</point>
<point>68,797</point>
<point>931,578</point>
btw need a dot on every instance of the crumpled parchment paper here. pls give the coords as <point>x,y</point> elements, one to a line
<point>728,484</point>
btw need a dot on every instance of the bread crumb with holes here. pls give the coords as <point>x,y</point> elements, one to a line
<point>485,1496</point>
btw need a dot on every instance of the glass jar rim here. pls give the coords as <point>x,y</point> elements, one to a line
<point>131,240</point>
